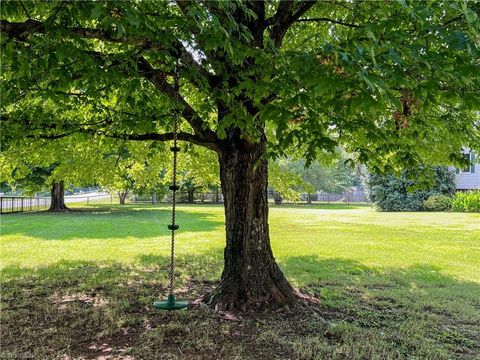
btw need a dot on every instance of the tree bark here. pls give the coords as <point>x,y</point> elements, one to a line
<point>277,198</point>
<point>190,193</point>
<point>122,196</point>
<point>251,277</point>
<point>57,194</point>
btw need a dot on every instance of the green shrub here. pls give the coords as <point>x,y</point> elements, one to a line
<point>466,201</point>
<point>438,203</point>
<point>392,193</point>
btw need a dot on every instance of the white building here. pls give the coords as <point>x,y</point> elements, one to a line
<point>469,177</point>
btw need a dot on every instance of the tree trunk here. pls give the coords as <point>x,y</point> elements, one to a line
<point>57,194</point>
<point>190,193</point>
<point>277,198</point>
<point>251,276</point>
<point>122,196</point>
<point>154,197</point>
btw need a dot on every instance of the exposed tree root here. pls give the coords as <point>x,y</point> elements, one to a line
<point>273,301</point>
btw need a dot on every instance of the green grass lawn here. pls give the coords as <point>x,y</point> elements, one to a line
<point>391,285</point>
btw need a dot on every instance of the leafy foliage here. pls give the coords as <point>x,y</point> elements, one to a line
<point>374,77</point>
<point>290,178</point>
<point>392,193</point>
<point>284,182</point>
<point>79,161</point>
<point>438,203</point>
<point>198,169</point>
<point>466,201</point>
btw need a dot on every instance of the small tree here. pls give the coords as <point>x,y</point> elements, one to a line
<point>132,167</point>
<point>284,182</point>
<point>198,170</point>
<point>35,166</point>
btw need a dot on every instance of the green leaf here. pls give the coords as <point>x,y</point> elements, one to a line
<point>471,15</point>
<point>97,11</point>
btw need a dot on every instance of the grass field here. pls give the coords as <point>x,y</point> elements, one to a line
<point>391,285</point>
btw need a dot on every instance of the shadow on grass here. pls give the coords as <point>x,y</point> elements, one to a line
<point>106,223</point>
<point>85,309</point>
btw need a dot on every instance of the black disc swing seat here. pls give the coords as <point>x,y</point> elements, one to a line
<point>171,303</point>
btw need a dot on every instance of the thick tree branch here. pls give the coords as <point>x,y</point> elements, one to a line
<point>159,79</point>
<point>287,13</point>
<point>79,129</point>
<point>183,136</point>
<point>333,21</point>
<point>20,30</point>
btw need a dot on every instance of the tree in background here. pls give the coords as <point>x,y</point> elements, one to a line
<point>36,165</point>
<point>395,83</point>
<point>71,161</point>
<point>290,178</point>
<point>128,167</point>
<point>286,183</point>
<point>400,193</point>
<point>198,171</point>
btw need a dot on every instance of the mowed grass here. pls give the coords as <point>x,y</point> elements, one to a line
<point>390,285</point>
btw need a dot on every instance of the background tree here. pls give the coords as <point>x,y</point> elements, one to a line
<point>39,165</point>
<point>198,171</point>
<point>132,167</point>
<point>285,182</point>
<point>386,80</point>
<point>331,174</point>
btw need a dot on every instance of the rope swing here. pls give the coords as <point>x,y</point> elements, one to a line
<point>171,303</point>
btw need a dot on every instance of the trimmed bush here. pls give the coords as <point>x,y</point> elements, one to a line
<point>466,201</point>
<point>438,203</point>
<point>392,193</point>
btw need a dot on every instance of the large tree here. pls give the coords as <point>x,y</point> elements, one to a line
<point>35,165</point>
<point>395,83</point>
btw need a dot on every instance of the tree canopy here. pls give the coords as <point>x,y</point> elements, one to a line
<point>386,80</point>
<point>78,161</point>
